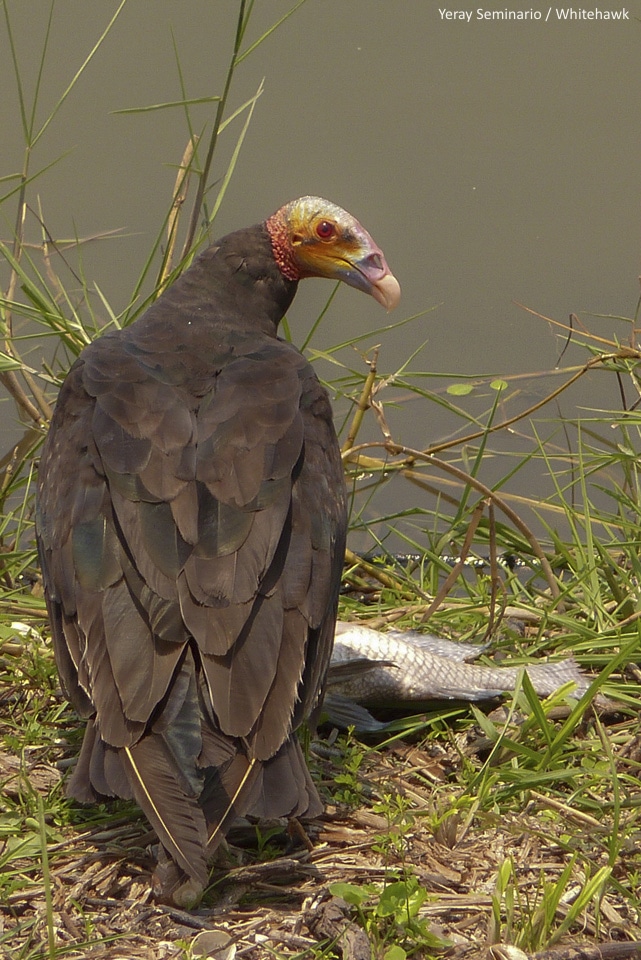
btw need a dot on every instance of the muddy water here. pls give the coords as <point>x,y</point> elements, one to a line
<point>494,160</point>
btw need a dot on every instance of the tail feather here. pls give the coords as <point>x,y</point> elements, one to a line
<point>160,792</point>
<point>99,771</point>
<point>80,785</point>
<point>190,779</point>
<point>229,778</point>
<point>279,787</point>
<point>226,794</point>
<point>285,787</point>
<point>116,775</point>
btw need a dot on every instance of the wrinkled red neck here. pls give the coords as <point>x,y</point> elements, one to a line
<point>278,231</point>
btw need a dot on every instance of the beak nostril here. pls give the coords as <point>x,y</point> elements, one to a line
<point>376,260</point>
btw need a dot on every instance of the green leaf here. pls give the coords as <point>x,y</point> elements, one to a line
<point>498,385</point>
<point>168,105</point>
<point>349,892</point>
<point>460,389</point>
<point>401,900</point>
<point>395,953</point>
<point>9,363</point>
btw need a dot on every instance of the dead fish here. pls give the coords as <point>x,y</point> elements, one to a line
<point>400,668</point>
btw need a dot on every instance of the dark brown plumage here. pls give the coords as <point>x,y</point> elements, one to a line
<point>191,526</point>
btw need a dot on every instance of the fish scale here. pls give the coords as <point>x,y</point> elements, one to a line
<point>398,668</point>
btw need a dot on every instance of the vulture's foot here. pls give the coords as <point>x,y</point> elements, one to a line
<point>173,886</point>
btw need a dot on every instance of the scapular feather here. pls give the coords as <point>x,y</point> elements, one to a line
<point>118,448</point>
<point>128,517</point>
<point>164,545</point>
<point>161,477</point>
<point>184,510</point>
<point>222,527</point>
<point>215,625</point>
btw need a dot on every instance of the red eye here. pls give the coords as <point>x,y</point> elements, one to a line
<point>325,230</point>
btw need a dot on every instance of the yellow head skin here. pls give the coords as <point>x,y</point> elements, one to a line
<point>312,237</point>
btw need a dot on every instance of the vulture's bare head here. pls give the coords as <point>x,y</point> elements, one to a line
<point>312,237</point>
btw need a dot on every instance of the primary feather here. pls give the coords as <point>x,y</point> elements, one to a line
<point>191,525</point>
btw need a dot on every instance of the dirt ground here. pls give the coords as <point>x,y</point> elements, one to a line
<point>270,895</point>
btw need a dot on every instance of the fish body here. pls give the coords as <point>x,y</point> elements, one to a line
<point>399,668</point>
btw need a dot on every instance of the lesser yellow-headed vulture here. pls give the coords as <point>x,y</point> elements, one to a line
<point>191,527</point>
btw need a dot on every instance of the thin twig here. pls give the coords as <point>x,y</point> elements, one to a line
<point>180,192</point>
<point>363,402</point>
<point>502,505</point>
<point>591,951</point>
<point>624,354</point>
<point>452,576</point>
<point>411,456</point>
<point>10,382</point>
<point>383,578</point>
<point>496,581</point>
